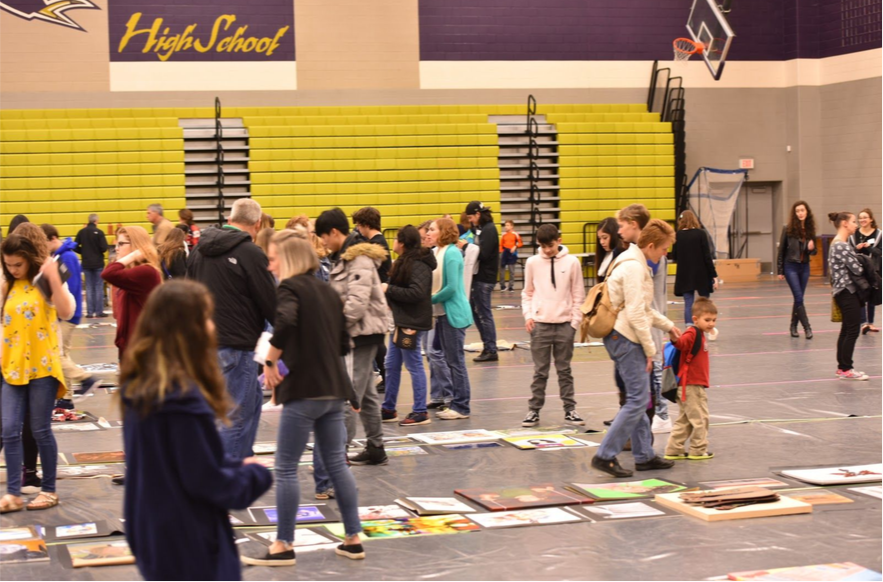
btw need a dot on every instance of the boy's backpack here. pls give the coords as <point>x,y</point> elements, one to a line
<point>599,315</point>
<point>673,377</point>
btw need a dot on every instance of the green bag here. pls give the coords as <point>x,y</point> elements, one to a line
<point>836,315</point>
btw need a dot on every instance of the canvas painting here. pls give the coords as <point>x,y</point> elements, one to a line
<point>305,513</point>
<point>434,505</point>
<point>874,491</point>
<point>89,471</point>
<point>625,490</point>
<point>522,497</point>
<point>414,526</point>
<point>101,457</point>
<point>838,571</point>
<point>539,430</point>
<point>10,534</point>
<point>405,452</point>
<point>522,517</point>
<point>264,448</point>
<point>820,497</point>
<point>623,511</point>
<point>547,441</point>
<point>373,512</point>
<point>837,475</point>
<point>107,553</point>
<point>765,482</point>
<point>76,530</point>
<point>456,436</point>
<point>75,427</point>
<point>23,550</point>
<point>473,446</point>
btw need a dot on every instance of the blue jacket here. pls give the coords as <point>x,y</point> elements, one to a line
<point>179,490</point>
<point>68,256</point>
<point>452,295</point>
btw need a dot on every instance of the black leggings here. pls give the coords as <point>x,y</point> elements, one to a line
<point>851,309</point>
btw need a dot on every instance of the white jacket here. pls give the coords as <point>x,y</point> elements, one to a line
<point>542,302</point>
<point>630,284</point>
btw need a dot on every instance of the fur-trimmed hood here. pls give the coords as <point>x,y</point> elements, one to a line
<point>374,252</point>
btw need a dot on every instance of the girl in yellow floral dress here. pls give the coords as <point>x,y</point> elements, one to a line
<point>31,365</point>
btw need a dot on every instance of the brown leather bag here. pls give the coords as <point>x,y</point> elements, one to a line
<point>599,314</point>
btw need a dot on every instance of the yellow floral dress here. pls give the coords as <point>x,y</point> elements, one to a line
<point>30,337</point>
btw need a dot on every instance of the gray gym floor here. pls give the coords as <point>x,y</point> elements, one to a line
<point>758,373</point>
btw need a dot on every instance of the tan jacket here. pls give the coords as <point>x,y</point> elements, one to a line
<point>355,279</point>
<point>630,286</point>
<point>161,231</point>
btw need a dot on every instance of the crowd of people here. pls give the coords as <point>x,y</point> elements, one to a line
<point>192,306</point>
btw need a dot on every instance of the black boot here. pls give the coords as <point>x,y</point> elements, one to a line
<point>370,456</point>
<point>794,322</point>
<point>804,320</point>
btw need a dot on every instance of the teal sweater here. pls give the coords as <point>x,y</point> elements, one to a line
<point>452,295</point>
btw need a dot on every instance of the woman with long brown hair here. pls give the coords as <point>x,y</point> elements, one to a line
<point>185,217</point>
<point>796,246</point>
<point>172,255</point>
<point>179,485</point>
<point>609,246</point>
<point>696,272</point>
<point>866,241</point>
<point>134,274</point>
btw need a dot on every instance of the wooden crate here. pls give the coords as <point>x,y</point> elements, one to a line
<point>738,270</point>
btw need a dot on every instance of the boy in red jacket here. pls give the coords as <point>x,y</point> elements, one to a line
<point>692,422</point>
<point>510,242</point>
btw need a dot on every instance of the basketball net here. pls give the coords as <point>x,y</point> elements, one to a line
<point>684,48</point>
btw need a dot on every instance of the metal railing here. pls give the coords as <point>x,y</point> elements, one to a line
<point>672,109</point>
<point>219,157</point>
<point>533,175</point>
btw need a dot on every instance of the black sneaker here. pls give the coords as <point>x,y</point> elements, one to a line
<point>654,463</point>
<point>353,552</point>
<point>88,384</point>
<point>436,405</point>
<point>30,482</point>
<point>388,415</point>
<point>381,387</point>
<point>277,559</point>
<point>571,417</point>
<point>608,422</point>
<point>611,467</point>
<point>487,357</point>
<point>370,456</point>
<point>532,419</point>
<point>415,419</point>
<point>64,403</point>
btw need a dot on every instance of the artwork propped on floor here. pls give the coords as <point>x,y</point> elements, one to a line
<point>523,497</point>
<point>525,517</point>
<point>456,437</point>
<point>837,475</point>
<point>434,505</point>
<point>547,442</point>
<point>618,511</point>
<point>625,490</point>
<point>315,513</point>
<point>104,553</point>
<point>414,526</point>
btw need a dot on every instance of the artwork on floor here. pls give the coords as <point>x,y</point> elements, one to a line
<point>373,512</point>
<point>61,415</point>
<point>90,529</point>
<point>464,446</point>
<point>539,430</point>
<point>522,497</point>
<point>22,545</point>
<point>269,515</point>
<point>456,436</point>
<point>388,441</point>
<point>837,475</point>
<point>434,505</point>
<point>731,504</point>
<point>615,511</point>
<point>413,526</point>
<point>873,491</point>
<point>100,457</point>
<point>305,539</point>
<point>764,482</point>
<point>105,553</point>
<point>523,517</point>
<point>99,368</point>
<point>405,451</point>
<point>625,490</point>
<point>89,471</point>
<point>75,427</point>
<point>837,571</point>
<point>819,497</point>
<point>547,442</point>
<point>264,448</point>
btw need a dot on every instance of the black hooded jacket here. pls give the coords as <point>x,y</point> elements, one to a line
<point>411,303</point>
<point>235,271</point>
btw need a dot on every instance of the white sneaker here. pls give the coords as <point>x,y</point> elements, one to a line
<point>450,414</point>
<point>712,335</point>
<point>661,425</point>
<point>853,375</point>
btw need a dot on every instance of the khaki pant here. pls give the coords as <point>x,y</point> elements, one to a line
<point>692,423</point>
<point>72,372</point>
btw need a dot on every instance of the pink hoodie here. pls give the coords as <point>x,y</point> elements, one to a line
<point>545,303</point>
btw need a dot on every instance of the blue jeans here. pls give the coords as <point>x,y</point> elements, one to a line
<point>413,361</point>
<point>94,291</point>
<point>451,340</point>
<point>797,276</point>
<point>325,418</point>
<point>689,297</point>
<point>241,376</point>
<point>37,399</point>
<point>631,421</point>
<point>483,314</point>
<point>868,313</point>
<point>656,387</point>
<point>440,386</point>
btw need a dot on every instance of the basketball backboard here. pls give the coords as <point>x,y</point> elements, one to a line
<point>708,26</point>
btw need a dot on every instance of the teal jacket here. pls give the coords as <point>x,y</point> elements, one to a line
<point>452,295</point>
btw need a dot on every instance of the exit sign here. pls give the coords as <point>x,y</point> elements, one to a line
<point>746,164</point>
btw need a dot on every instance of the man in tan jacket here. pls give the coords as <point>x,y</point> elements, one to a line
<point>162,226</point>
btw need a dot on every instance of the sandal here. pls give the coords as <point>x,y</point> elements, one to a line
<point>865,329</point>
<point>10,503</point>
<point>44,500</point>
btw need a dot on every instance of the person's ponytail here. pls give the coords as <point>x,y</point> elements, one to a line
<point>837,218</point>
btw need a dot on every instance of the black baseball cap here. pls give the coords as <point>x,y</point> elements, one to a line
<point>475,206</point>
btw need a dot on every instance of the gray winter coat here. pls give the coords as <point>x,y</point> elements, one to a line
<point>355,279</point>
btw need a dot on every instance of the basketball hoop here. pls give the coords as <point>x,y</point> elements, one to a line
<point>684,48</point>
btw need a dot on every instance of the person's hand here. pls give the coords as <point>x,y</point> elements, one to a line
<point>461,242</point>
<point>714,286</point>
<point>674,333</point>
<point>384,287</point>
<point>50,271</point>
<point>135,255</point>
<point>781,277</point>
<point>251,461</point>
<point>272,377</point>
<point>649,364</point>
<point>530,325</point>
<point>810,245</point>
<point>861,246</point>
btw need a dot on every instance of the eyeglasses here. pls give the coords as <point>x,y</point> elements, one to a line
<point>122,244</point>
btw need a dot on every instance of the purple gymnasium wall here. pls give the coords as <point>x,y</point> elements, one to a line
<point>576,30</point>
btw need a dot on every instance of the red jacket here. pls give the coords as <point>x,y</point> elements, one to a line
<point>132,288</point>
<point>698,370</point>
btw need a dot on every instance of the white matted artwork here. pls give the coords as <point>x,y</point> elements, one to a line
<point>524,517</point>
<point>456,436</point>
<point>622,510</point>
<point>873,491</point>
<point>837,475</point>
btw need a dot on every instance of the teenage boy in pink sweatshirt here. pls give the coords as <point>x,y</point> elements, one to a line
<point>551,299</point>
